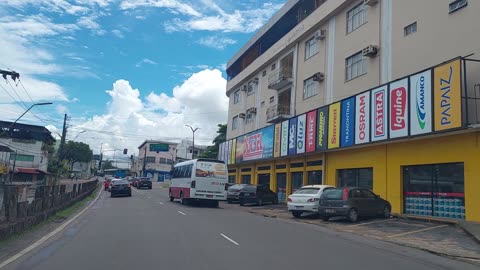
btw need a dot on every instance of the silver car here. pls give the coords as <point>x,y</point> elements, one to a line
<point>306,199</point>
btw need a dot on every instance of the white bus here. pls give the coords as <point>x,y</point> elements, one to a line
<point>199,179</point>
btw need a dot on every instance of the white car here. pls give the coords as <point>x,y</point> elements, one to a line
<point>306,199</point>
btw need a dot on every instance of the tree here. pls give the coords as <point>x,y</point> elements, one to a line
<point>212,151</point>
<point>76,152</point>
<point>108,164</point>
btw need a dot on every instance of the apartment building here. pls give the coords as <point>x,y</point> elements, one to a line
<point>382,94</point>
<point>155,159</point>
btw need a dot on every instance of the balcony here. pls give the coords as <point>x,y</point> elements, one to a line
<point>278,113</point>
<point>280,78</point>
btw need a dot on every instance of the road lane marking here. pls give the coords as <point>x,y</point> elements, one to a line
<point>416,231</point>
<point>182,213</point>
<point>366,223</point>
<point>48,236</point>
<point>230,239</point>
<point>160,202</point>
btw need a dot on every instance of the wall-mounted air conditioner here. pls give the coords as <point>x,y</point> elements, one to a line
<point>319,77</point>
<point>370,3</point>
<point>320,34</point>
<point>370,51</point>
<point>252,110</point>
<point>241,115</point>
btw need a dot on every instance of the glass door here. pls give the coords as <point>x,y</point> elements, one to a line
<point>264,179</point>
<point>297,181</point>
<point>314,177</point>
<point>282,187</point>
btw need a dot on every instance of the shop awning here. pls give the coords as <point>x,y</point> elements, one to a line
<point>45,172</point>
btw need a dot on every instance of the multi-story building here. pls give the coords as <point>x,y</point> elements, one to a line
<point>155,159</point>
<point>185,150</point>
<point>380,94</point>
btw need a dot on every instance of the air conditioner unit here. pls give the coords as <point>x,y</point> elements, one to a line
<point>319,76</point>
<point>370,3</point>
<point>255,81</point>
<point>370,51</point>
<point>320,34</point>
<point>241,115</point>
<point>252,110</point>
<point>244,87</point>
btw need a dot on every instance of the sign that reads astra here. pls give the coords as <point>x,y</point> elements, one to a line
<point>362,118</point>
<point>322,128</point>
<point>292,136</point>
<point>334,126</point>
<point>284,139</point>
<point>399,108</point>
<point>347,128</point>
<point>421,103</point>
<point>379,114</point>
<point>311,131</point>
<point>447,96</point>
<point>301,134</point>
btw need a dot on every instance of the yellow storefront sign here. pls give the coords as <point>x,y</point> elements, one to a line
<point>334,126</point>
<point>276,141</point>
<point>447,96</point>
<point>232,155</point>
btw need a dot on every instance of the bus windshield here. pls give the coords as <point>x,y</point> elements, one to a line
<point>210,169</point>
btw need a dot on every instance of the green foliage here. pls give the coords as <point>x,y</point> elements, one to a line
<point>212,151</point>
<point>108,164</point>
<point>76,152</point>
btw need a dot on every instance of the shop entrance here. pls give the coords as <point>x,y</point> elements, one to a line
<point>246,179</point>
<point>297,181</point>
<point>282,187</point>
<point>434,190</point>
<point>264,179</point>
<point>314,177</point>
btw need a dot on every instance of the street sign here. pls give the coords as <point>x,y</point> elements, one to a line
<point>159,147</point>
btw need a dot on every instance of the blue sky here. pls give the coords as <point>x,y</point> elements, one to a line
<point>141,68</point>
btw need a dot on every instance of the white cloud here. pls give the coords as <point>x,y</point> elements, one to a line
<point>174,6</point>
<point>139,17</point>
<point>145,61</point>
<point>48,5</point>
<point>61,109</point>
<point>217,42</point>
<point>118,33</point>
<point>90,23</point>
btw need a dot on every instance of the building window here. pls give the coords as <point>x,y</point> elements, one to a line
<point>356,178</point>
<point>456,5</point>
<point>236,97</point>
<point>272,99</point>
<point>410,29</point>
<point>274,65</point>
<point>231,179</point>
<point>246,179</point>
<point>249,118</point>
<point>21,157</point>
<point>309,88</point>
<point>235,122</point>
<point>297,181</point>
<point>264,73</point>
<point>356,66</point>
<point>314,177</point>
<point>150,160</point>
<point>311,47</point>
<point>251,87</point>
<point>356,17</point>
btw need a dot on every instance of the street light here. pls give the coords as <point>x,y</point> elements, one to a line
<point>83,131</point>
<point>193,139</point>
<point>33,105</point>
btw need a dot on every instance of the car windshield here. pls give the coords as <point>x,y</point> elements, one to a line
<point>236,187</point>
<point>307,191</point>
<point>119,182</point>
<point>334,193</point>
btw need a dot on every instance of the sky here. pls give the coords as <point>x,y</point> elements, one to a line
<point>124,70</point>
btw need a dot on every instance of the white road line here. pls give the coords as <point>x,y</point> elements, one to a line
<point>182,213</point>
<point>46,237</point>
<point>160,202</point>
<point>229,239</point>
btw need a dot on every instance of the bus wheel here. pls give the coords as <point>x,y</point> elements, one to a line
<point>182,200</point>
<point>171,196</point>
<point>215,204</point>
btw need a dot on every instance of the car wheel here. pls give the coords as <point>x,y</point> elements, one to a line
<point>297,214</point>
<point>353,215</point>
<point>325,218</point>
<point>129,194</point>
<point>260,202</point>
<point>387,211</point>
<point>150,188</point>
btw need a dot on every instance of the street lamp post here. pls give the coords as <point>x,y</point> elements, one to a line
<point>83,131</point>
<point>193,139</point>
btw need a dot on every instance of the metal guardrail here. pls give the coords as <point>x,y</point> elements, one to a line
<point>283,74</point>
<point>278,110</point>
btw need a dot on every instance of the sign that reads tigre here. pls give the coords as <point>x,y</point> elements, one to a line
<point>421,103</point>
<point>399,108</point>
<point>322,128</point>
<point>347,128</point>
<point>301,134</point>
<point>362,118</point>
<point>334,126</point>
<point>379,114</point>
<point>447,96</point>
<point>284,139</point>
<point>311,131</point>
<point>292,136</point>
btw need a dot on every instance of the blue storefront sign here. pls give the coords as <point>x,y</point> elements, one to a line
<point>292,138</point>
<point>347,118</point>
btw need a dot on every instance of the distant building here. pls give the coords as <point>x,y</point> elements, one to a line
<point>155,159</point>
<point>185,150</point>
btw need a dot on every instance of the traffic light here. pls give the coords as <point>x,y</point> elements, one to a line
<point>125,151</point>
<point>131,157</point>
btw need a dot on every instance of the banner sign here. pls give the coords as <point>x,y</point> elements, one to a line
<point>447,96</point>
<point>220,151</point>
<point>229,152</point>
<point>362,118</point>
<point>267,141</point>
<point>421,103</point>
<point>310,138</point>
<point>277,140</point>
<point>284,139</point>
<point>379,114</point>
<point>334,126</point>
<point>301,134</point>
<point>292,136</point>
<point>232,154</point>
<point>239,149</point>
<point>322,128</point>
<point>347,119</point>
<point>398,96</point>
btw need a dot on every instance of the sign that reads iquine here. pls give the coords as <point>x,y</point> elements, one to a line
<point>398,108</point>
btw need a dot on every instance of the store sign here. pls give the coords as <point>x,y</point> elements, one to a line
<point>399,108</point>
<point>301,128</point>
<point>239,149</point>
<point>310,137</point>
<point>292,137</point>
<point>232,155</point>
<point>447,96</point>
<point>284,139</point>
<point>421,103</point>
<point>322,128</point>
<point>334,126</point>
<point>379,114</point>
<point>277,140</point>
<point>347,128</point>
<point>253,148</point>
<point>220,151</point>
<point>267,141</point>
<point>229,152</point>
<point>362,118</point>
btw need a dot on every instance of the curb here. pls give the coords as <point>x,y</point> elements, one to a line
<point>463,225</point>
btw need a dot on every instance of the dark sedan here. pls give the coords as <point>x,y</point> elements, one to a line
<point>258,195</point>
<point>234,192</point>
<point>120,187</point>
<point>144,182</point>
<point>352,203</point>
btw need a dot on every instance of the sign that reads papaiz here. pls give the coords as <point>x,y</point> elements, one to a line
<point>447,95</point>
<point>322,128</point>
<point>159,147</point>
<point>347,128</point>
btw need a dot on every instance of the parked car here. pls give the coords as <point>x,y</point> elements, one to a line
<point>252,194</point>
<point>120,187</point>
<point>234,192</point>
<point>306,199</point>
<point>352,202</point>
<point>144,182</point>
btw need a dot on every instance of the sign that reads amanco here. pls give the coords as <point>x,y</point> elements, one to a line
<point>421,103</point>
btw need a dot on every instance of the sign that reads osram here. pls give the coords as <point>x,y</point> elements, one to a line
<point>311,131</point>
<point>284,139</point>
<point>379,114</point>
<point>292,136</point>
<point>399,108</point>
<point>347,128</point>
<point>301,134</point>
<point>362,118</point>
<point>421,103</point>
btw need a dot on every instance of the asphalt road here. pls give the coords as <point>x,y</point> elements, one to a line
<point>147,231</point>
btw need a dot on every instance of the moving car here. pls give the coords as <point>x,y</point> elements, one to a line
<point>306,199</point>
<point>252,194</point>
<point>234,191</point>
<point>144,182</point>
<point>352,202</point>
<point>120,187</point>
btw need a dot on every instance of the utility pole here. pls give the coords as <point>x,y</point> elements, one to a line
<point>64,132</point>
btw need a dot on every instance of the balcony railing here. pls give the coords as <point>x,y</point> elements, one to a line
<point>280,78</point>
<point>278,113</point>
